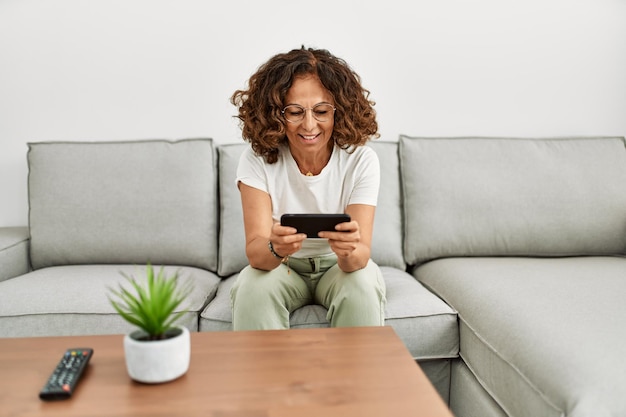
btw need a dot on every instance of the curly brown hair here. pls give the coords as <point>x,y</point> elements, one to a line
<point>260,106</point>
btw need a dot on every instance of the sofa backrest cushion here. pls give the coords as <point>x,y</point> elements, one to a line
<point>123,202</point>
<point>477,196</point>
<point>387,242</point>
<point>388,225</point>
<point>232,238</point>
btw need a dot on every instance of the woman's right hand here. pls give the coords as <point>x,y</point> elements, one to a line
<point>259,226</point>
<point>286,240</point>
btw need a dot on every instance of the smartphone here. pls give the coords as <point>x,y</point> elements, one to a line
<point>312,224</point>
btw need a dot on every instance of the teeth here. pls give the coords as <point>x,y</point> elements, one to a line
<point>309,137</point>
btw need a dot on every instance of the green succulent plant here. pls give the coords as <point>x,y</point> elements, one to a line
<point>152,305</point>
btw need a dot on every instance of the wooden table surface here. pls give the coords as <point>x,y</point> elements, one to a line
<point>345,372</point>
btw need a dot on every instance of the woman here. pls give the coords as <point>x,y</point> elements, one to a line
<point>307,118</point>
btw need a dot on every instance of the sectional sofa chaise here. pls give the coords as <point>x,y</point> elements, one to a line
<point>504,258</point>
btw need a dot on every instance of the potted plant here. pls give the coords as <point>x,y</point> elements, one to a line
<point>159,351</point>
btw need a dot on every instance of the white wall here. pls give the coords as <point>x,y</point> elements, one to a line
<point>136,69</point>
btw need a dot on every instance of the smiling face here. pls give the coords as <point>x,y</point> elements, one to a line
<point>309,136</point>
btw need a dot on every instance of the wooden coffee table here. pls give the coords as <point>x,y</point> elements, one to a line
<point>345,372</point>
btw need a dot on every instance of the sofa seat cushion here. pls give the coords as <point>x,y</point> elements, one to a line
<point>427,325</point>
<point>544,336</point>
<point>73,300</point>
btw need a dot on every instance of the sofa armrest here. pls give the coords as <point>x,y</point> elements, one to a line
<point>14,253</point>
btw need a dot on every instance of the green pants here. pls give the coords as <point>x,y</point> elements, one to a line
<point>265,299</point>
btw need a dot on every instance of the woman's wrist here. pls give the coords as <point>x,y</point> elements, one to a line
<point>273,252</point>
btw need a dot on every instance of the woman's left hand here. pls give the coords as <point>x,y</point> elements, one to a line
<point>345,240</point>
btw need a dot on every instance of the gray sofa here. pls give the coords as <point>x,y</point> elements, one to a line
<point>504,258</point>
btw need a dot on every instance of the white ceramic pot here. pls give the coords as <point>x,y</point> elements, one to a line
<point>157,361</point>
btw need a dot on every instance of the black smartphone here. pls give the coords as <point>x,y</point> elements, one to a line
<point>312,224</point>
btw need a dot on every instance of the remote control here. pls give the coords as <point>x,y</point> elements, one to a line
<point>66,375</point>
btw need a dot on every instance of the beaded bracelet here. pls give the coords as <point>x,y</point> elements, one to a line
<point>283,259</point>
<point>271,247</point>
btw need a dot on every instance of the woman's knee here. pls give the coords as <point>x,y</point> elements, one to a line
<point>266,287</point>
<point>356,298</point>
<point>251,285</point>
<point>367,279</point>
<point>361,287</point>
<point>264,299</point>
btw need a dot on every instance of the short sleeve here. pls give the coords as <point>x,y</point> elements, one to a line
<point>366,178</point>
<point>251,171</point>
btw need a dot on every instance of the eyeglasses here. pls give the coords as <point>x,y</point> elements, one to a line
<point>295,113</point>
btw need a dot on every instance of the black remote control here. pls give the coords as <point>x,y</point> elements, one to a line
<point>66,375</point>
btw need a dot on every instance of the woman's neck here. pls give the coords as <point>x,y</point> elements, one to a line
<point>311,164</point>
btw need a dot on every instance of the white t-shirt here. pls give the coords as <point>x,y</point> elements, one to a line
<point>348,178</point>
